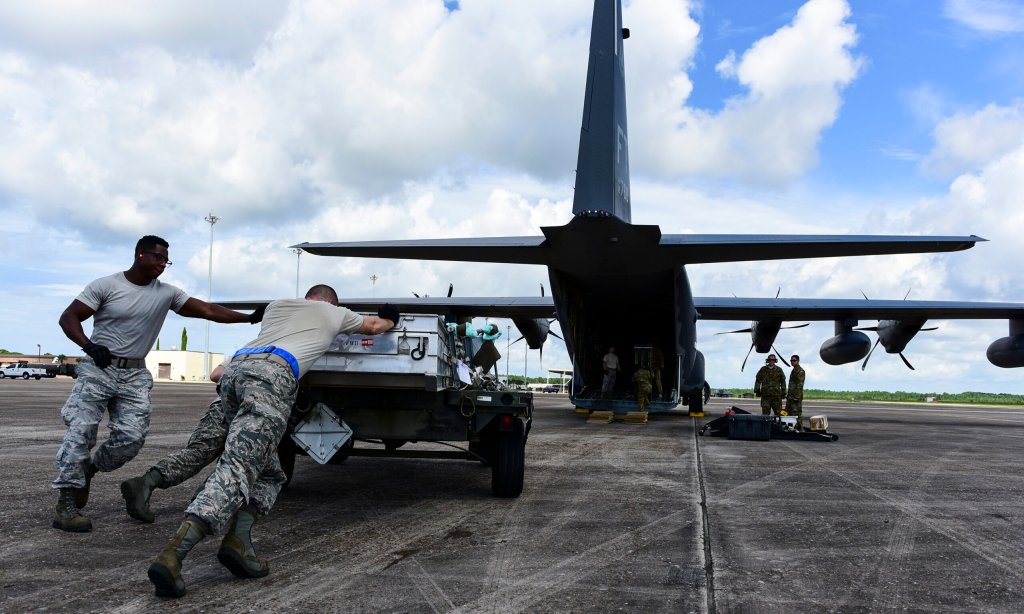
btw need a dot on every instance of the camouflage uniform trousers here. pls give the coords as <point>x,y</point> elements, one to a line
<point>643,396</point>
<point>608,383</point>
<point>204,446</point>
<point>656,381</point>
<point>257,395</point>
<point>795,407</point>
<point>124,393</point>
<point>771,404</point>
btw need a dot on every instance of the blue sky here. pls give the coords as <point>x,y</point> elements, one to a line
<point>323,120</point>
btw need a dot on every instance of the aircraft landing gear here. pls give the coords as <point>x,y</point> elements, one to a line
<point>695,400</point>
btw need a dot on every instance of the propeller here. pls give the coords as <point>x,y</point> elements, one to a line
<point>451,288</point>
<point>877,341</point>
<point>746,357</point>
<point>897,323</point>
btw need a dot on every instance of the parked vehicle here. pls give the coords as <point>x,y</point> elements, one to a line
<point>21,370</point>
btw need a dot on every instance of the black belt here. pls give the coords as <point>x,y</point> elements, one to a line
<point>127,363</point>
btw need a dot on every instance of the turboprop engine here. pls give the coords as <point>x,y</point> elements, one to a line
<point>762,337</point>
<point>894,335</point>
<point>1008,352</point>
<point>534,331</point>
<point>847,346</point>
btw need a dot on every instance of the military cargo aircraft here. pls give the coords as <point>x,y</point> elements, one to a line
<point>614,283</point>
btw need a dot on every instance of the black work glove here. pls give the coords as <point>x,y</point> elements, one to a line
<point>257,315</point>
<point>99,354</point>
<point>387,311</point>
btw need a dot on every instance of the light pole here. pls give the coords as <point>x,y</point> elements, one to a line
<point>526,362</point>
<point>508,351</point>
<point>212,219</point>
<point>373,285</point>
<point>298,255</point>
<point>39,352</point>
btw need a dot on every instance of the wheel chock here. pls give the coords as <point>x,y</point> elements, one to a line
<point>635,417</point>
<point>601,417</point>
<point>582,410</point>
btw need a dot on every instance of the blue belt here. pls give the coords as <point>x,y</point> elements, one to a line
<point>276,351</point>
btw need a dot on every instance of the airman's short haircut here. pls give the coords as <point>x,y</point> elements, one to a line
<point>324,293</point>
<point>148,242</point>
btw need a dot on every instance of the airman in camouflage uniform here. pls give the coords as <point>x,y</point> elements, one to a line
<point>257,396</point>
<point>770,385</point>
<point>795,396</point>
<point>257,392</point>
<point>129,309</point>
<point>204,446</point>
<point>642,379</point>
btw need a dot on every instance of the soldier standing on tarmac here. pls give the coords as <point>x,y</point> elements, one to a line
<point>257,392</point>
<point>770,385</point>
<point>795,396</point>
<point>204,446</point>
<point>129,309</point>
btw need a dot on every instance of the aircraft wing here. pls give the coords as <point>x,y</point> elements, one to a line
<point>523,250</point>
<point>695,249</point>
<point>639,244</point>
<point>484,307</point>
<point>792,309</point>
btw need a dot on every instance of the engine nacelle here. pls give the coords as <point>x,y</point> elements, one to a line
<point>534,330</point>
<point>894,335</point>
<point>845,347</point>
<point>1008,352</point>
<point>763,334</point>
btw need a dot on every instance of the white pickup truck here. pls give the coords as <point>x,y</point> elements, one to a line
<point>21,370</point>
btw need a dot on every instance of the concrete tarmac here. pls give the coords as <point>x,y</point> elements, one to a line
<point>917,508</point>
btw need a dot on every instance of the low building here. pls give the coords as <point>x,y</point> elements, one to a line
<point>180,366</point>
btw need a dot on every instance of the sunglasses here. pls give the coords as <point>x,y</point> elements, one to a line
<point>159,257</point>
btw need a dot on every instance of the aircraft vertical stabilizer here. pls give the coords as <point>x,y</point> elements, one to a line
<point>602,169</point>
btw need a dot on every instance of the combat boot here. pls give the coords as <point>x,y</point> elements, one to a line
<point>67,516</point>
<point>165,571</point>
<point>136,493</point>
<point>82,494</point>
<point>236,549</point>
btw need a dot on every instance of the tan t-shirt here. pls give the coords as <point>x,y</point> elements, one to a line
<point>305,329</point>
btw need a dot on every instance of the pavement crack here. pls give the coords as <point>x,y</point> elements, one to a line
<point>709,563</point>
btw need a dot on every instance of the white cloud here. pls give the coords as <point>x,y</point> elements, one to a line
<point>987,16</point>
<point>769,135</point>
<point>967,141</point>
<point>77,31</point>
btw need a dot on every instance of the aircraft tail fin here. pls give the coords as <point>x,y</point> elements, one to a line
<point>602,168</point>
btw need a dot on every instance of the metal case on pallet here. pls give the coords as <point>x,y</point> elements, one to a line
<point>750,426</point>
<point>419,353</point>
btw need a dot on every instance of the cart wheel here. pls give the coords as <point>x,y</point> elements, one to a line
<point>835,437</point>
<point>509,462</point>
